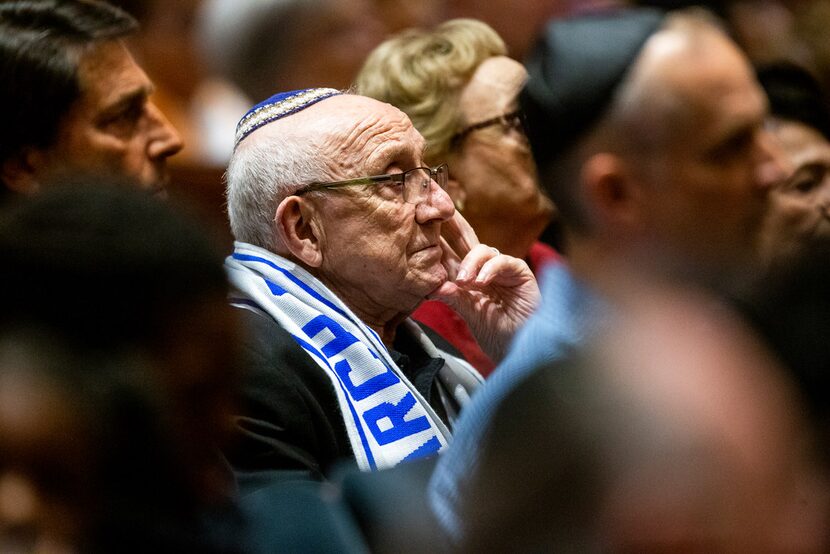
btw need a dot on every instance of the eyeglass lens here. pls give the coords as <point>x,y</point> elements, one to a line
<point>417,182</point>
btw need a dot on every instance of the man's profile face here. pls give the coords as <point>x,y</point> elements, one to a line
<point>378,248</point>
<point>709,179</point>
<point>113,127</point>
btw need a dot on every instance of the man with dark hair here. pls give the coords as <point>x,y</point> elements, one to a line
<point>74,99</point>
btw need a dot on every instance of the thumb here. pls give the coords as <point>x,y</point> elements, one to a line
<point>446,293</point>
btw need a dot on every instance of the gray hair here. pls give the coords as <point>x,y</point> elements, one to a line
<point>264,169</point>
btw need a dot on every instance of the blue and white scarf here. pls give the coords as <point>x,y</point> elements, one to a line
<point>387,419</point>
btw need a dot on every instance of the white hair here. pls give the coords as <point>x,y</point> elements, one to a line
<point>264,169</point>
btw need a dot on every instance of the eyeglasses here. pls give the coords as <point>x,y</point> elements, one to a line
<point>509,121</point>
<point>415,182</point>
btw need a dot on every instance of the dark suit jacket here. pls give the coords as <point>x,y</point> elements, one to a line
<point>289,423</point>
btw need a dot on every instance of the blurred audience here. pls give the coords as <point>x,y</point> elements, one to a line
<point>800,213</point>
<point>790,307</point>
<point>266,45</point>
<point>339,238</point>
<point>397,15</point>
<point>138,297</point>
<point>627,414</point>
<point>461,92</point>
<point>78,101</point>
<point>519,23</point>
<point>648,132</point>
<point>674,431</point>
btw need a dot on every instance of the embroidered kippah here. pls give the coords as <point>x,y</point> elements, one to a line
<point>278,106</point>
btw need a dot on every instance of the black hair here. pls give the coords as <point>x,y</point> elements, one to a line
<point>790,309</point>
<point>796,95</point>
<point>41,43</point>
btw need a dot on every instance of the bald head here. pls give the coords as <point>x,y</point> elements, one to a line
<point>679,166</point>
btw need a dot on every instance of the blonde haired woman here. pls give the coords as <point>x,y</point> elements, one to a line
<point>460,90</point>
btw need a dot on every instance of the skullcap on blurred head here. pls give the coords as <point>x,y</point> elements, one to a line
<point>574,71</point>
<point>278,106</point>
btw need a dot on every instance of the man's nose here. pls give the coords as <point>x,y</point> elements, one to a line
<point>437,205</point>
<point>773,166</point>
<point>163,140</point>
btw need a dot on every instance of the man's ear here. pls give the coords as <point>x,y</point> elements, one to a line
<point>20,170</point>
<point>297,228</point>
<point>612,193</point>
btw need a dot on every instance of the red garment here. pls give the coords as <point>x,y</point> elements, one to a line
<point>446,322</point>
<point>540,256</point>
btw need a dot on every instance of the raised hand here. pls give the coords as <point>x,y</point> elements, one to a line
<point>495,293</point>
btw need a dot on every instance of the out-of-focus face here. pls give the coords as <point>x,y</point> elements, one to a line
<point>380,254</point>
<point>801,204</point>
<point>113,127</point>
<point>518,23</point>
<point>494,165</point>
<point>732,454</point>
<point>46,469</point>
<point>331,44</point>
<point>709,177</point>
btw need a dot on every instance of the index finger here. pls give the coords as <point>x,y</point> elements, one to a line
<point>459,235</point>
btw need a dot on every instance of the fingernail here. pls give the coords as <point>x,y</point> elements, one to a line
<point>482,276</point>
<point>461,275</point>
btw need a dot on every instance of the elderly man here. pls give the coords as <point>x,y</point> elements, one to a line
<point>648,132</point>
<point>74,100</point>
<point>340,238</point>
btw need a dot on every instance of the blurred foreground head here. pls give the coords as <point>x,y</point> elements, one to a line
<point>113,272</point>
<point>674,432</point>
<point>90,458</point>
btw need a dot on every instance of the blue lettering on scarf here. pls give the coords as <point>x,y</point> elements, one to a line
<point>368,387</point>
<point>342,340</point>
<point>398,427</point>
<point>395,412</point>
<point>432,446</point>
<point>275,289</point>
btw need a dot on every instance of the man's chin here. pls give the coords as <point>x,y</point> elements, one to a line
<point>441,278</point>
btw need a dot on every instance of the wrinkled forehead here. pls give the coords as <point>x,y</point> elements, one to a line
<point>363,135</point>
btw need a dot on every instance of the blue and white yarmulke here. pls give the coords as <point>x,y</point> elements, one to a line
<point>278,106</point>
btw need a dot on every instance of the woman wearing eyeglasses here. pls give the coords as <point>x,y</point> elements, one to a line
<point>460,90</point>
